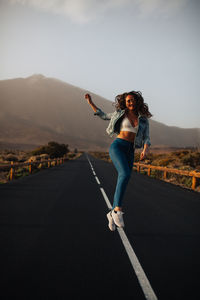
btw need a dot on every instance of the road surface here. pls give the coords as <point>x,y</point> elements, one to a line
<point>55,241</point>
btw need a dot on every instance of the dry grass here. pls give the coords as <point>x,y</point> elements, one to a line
<point>6,156</point>
<point>180,159</point>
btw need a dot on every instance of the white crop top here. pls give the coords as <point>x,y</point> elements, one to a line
<point>127,126</point>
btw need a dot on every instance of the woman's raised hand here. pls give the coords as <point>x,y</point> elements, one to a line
<point>88,98</point>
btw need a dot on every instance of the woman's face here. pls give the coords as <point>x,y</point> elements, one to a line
<point>130,102</point>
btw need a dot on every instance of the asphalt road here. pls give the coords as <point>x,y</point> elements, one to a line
<point>55,242</point>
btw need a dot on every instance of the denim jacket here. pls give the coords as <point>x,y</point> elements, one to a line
<point>142,136</point>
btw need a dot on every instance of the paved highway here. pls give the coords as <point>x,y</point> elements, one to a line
<point>55,242</point>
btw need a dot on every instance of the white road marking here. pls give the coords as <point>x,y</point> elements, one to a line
<point>106,198</point>
<point>142,278</point>
<point>97,179</point>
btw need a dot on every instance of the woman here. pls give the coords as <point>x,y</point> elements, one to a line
<point>130,123</point>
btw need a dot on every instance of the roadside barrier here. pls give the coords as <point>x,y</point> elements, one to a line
<point>30,165</point>
<point>193,174</point>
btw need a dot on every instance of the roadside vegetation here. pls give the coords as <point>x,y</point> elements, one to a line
<point>188,160</point>
<point>52,150</point>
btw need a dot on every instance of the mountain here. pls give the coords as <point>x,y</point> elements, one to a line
<point>37,109</point>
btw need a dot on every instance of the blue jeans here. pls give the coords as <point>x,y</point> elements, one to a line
<point>122,155</point>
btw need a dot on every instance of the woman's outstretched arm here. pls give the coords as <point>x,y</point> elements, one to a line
<point>98,111</point>
<point>89,100</point>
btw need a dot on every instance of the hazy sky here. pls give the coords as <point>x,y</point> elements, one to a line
<point>109,47</point>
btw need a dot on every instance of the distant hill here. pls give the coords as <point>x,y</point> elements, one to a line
<point>37,109</point>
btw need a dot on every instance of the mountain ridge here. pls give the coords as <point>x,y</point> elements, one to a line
<point>37,109</point>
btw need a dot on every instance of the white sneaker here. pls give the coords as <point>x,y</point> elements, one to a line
<point>111,223</point>
<point>118,218</point>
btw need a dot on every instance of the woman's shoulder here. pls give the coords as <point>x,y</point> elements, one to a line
<point>119,111</point>
<point>143,119</point>
<point>143,116</point>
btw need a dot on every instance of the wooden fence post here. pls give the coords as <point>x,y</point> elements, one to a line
<point>49,164</point>
<point>165,174</point>
<point>138,168</point>
<point>149,171</point>
<point>29,167</point>
<point>11,171</point>
<point>194,181</point>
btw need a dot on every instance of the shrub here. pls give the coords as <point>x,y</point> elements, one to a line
<point>136,156</point>
<point>180,153</point>
<point>22,158</point>
<point>191,159</point>
<point>11,157</point>
<point>53,149</point>
<point>44,156</point>
<point>165,162</point>
<point>71,155</point>
<point>34,158</point>
<point>2,158</point>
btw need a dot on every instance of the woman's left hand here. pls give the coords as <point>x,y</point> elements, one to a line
<point>143,155</point>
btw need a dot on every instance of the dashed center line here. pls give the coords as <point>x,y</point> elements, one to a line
<point>106,198</point>
<point>142,278</point>
<point>97,179</point>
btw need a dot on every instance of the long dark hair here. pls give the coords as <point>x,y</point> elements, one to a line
<point>141,107</point>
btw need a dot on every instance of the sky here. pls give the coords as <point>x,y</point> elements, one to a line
<point>109,47</point>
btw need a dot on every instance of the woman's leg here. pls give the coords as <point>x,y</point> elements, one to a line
<point>122,157</point>
<point>131,155</point>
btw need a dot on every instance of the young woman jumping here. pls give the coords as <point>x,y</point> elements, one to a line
<point>130,123</point>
